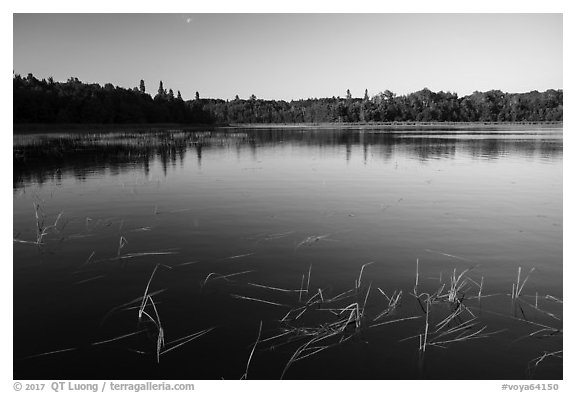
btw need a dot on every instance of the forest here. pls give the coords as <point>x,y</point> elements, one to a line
<point>49,101</point>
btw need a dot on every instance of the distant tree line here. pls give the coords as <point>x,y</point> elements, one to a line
<point>421,106</point>
<point>46,101</point>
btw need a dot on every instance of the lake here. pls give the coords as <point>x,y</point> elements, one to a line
<point>293,253</point>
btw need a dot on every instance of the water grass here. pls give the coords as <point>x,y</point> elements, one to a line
<point>238,256</point>
<point>301,290</point>
<point>42,230</point>
<point>553,298</point>
<point>365,300</point>
<point>121,244</point>
<point>308,281</point>
<point>320,320</point>
<point>275,288</point>
<point>257,300</point>
<point>306,350</point>
<point>542,331</point>
<point>344,295</point>
<point>351,319</point>
<point>89,260</point>
<point>127,304</point>
<point>146,296</point>
<point>218,276</point>
<point>447,255</point>
<point>480,288</point>
<point>541,310</point>
<point>417,275</point>
<point>160,335</point>
<point>457,284</point>
<point>89,279</point>
<point>51,353</point>
<point>172,345</point>
<point>517,288</point>
<point>186,263</point>
<point>359,280</point>
<point>142,254</point>
<point>534,363</point>
<point>245,376</point>
<point>425,341</point>
<point>392,303</point>
<point>311,240</point>
<point>118,338</point>
<point>395,321</point>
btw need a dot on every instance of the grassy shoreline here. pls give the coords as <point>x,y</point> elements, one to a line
<point>401,126</point>
<point>384,126</point>
<point>36,128</point>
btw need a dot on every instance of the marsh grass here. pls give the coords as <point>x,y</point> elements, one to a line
<point>51,353</point>
<point>89,279</point>
<point>275,288</point>
<point>460,324</point>
<point>517,287</point>
<point>257,300</point>
<point>143,254</point>
<point>89,260</point>
<point>238,256</point>
<point>172,345</point>
<point>392,303</point>
<point>42,230</point>
<point>338,319</point>
<point>217,276</point>
<point>319,318</point>
<point>121,244</point>
<point>245,376</point>
<point>534,363</point>
<point>118,338</point>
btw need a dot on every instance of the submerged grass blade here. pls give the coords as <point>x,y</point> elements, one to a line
<point>224,277</point>
<point>184,340</point>
<point>120,307</point>
<point>89,279</point>
<point>519,290</point>
<point>245,376</point>
<point>257,300</point>
<point>118,338</point>
<point>143,254</point>
<point>301,290</point>
<point>274,288</point>
<point>239,256</point>
<point>359,282</point>
<point>51,353</point>
<point>145,296</point>
<point>308,284</point>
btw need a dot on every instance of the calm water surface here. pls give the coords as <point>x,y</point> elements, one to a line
<point>227,213</point>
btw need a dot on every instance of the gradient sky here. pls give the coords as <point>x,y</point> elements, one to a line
<point>291,56</point>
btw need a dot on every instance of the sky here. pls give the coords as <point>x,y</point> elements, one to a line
<point>293,56</point>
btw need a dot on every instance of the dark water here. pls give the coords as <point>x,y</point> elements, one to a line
<point>230,213</point>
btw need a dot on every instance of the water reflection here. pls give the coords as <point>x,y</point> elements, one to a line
<point>269,206</point>
<point>38,159</point>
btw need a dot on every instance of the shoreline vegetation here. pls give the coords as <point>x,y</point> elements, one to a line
<point>33,128</point>
<point>75,102</point>
<point>413,125</point>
